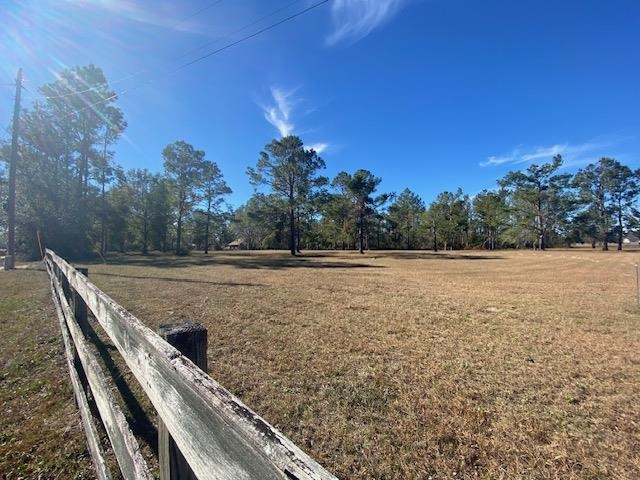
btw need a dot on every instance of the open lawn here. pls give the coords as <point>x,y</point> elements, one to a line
<point>416,365</point>
<point>513,364</point>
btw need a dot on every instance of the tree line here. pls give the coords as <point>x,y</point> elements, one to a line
<point>73,194</point>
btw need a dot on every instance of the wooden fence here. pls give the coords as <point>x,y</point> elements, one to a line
<point>218,436</point>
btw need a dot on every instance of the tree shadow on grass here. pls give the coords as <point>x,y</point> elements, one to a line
<point>437,256</point>
<point>140,422</point>
<point>240,260</point>
<point>179,280</point>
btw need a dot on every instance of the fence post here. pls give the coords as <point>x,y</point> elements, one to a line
<point>66,288</point>
<point>191,340</point>
<point>80,314</point>
<point>59,275</point>
<point>79,307</point>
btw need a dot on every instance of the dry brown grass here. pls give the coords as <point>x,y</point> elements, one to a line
<point>41,435</point>
<point>415,365</point>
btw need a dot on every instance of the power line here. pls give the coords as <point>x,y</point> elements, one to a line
<point>225,47</point>
<point>229,45</point>
<point>127,77</point>
<point>11,202</point>
<point>198,12</point>
<point>95,104</point>
<point>244,27</point>
<point>265,29</point>
<point>78,92</point>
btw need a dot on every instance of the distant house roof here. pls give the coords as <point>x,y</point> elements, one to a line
<point>236,243</point>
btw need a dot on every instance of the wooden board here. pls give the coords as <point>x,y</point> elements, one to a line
<point>220,437</point>
<point>93,439</point>
<point>124,444</point>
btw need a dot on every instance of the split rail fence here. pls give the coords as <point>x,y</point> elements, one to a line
<point>205,432</point>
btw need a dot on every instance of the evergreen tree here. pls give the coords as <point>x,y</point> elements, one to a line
<point>406,213</point>
<point>212,189</point>
<point>595,219</point>
<point>490,217</point>
<point>539,202</point>
<point>359,188</point>
<point>290,171</point>
<point>449,219</point>
<point>63,139</point>
<point>184,166</point>
<point>624,188</point>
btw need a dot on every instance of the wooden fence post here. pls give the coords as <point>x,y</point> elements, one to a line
<point>66,288</point>
<point>58,272</point>
<point>79,307</point>
<point>191,340</point>
<point>80,314</point>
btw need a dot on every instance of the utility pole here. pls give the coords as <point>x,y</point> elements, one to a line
<point>9,259</point>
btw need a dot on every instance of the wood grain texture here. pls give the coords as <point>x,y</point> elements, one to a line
<point>220,437</point>
<point>93,439</point>
<point>191,340</point>
<point>124,444</point>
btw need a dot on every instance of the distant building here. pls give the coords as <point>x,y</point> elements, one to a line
<point>237,244</point>
<point>630,238</point>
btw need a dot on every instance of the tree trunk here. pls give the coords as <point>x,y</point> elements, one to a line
<point>361,230</point>
<point>103,219</point>
<point>206,237</point>
<point>619,225</point>
<point>145,235</point>
<point>298,234</point>
<point>541,223</point>
<point>292,230</point>
<point>206,228</point>
<point>435,238</point>
<point>179,233</point>
<point>292,217</point>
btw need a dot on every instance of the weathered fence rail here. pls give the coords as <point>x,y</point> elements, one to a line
<point>219,436</point>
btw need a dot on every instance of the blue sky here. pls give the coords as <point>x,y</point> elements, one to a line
<point>431,95</point>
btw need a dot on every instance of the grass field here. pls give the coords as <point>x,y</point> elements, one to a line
<point>41,435</point>
<point>411,365</point>
<point>512,364</point>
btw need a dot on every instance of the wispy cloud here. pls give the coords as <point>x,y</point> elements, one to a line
<point>318,147</point>
<point>573,155</point>
<point>279,114</point>
<point>355,19</point>
<point>495,160</point>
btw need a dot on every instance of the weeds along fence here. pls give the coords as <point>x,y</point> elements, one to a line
<point>205,432</point>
